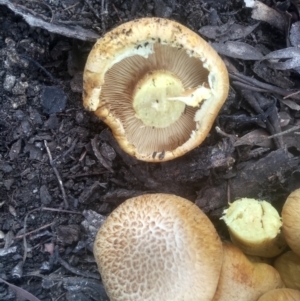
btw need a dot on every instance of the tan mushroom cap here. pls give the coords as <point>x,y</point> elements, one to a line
<point>291,221</point>
<point>158,85</point>
<point>288,266</point>
<point>281,294</point>
<point>158,247</point>
<point>242,280</point>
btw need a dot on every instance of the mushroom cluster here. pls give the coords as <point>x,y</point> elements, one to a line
<point>243,280</point>
<point>255,227</point>
<point>158,85</point>
<point>163,247</point>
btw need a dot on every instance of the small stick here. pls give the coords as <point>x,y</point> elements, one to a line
<point>291,95</point>
<point>57,175</point>
<point>67,151</point>
<point>293,129</point>
<point>104,13</point>
<point>77,271</point>
<point>222,133</point>
<point>31,60</point>
<point>25,224</point>
<point>248,87</point>
<point>92,9</point>
<point>72,6</point>
<point>34,231</point>
<point>258,84</point>
<point>115,9</point>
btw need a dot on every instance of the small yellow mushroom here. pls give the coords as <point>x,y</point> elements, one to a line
<point>254,227</point>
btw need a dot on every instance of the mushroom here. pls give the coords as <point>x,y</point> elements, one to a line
<point>242,280</point>
<point>158,247</point>
<point>158,85</point>
<point>281,294</point>
<point>254,227</point>
<point>288,266</point>
<point>291,221</point>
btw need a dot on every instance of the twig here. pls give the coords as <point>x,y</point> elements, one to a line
<point>72,6</point>
<point>248,87</point>
<point>222,133</point>
<point>104,13</point>
<point>116,11</point>
<point>60,210</point>
<point>295,128</point>
<point>40,67</point>
<point>76,271</point>
<point>57,175</point>
<point>25,225</point>
<point>34,231</point>
<point>291,95</point>
<point>92,9</point>
<point>254,83</point>
<point>59,297</point>
<point>67,151</point>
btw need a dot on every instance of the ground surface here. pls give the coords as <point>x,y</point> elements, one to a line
<point>59,165</point>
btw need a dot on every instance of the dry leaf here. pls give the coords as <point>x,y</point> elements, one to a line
<point>265,13</point>
<point>291,104</point>
<point>228,31</point>
<point>291,55</point>
<point>12,210</point>
<point>295,34</point>
<point>238,50</point>
<point>257,137</point>
<point>75,32</point>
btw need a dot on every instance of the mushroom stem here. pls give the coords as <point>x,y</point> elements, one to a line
<point>254,227</point>
<point>193,97</point>
<point>151,99</point>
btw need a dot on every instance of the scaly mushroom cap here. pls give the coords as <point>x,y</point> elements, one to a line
<point>158,86</point>
<point>158,247</point>
<point>291,221</point>
<point>242,280</point>
<point>281,294</point>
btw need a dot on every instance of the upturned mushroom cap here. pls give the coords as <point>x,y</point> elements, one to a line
<point>255,227</point>
<point>242,280</point>
<point>291,221</point>
<point>158,85</point>
<point>281,294</point>
<point>288,266</point>
<point>158,247</point>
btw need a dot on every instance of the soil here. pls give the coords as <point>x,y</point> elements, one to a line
<point>61,170</point>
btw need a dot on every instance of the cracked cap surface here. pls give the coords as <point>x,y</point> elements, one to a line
<point>158,247</point>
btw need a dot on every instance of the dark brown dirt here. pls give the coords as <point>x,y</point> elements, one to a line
<point>41,116</point>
